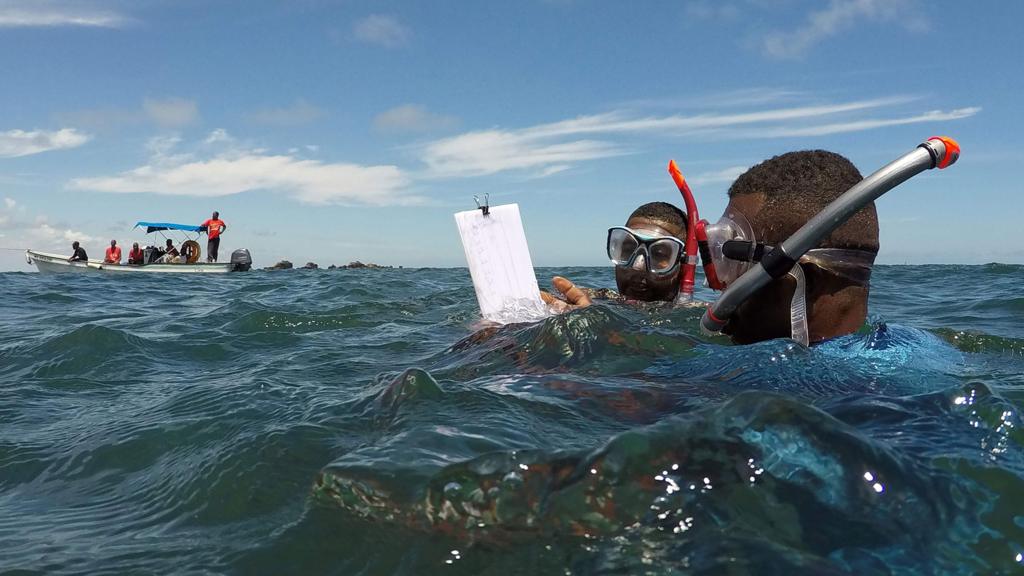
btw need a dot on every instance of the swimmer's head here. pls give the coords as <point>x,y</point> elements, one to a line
<point>652,219</point>
<point>777,197</point>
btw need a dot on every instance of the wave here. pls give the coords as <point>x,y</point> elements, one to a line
<point>762,473</point>
<point>179,424</point>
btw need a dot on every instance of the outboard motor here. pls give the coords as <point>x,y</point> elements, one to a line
<point>241,261</point>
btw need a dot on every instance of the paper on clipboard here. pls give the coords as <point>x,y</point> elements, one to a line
<point>499,262</point>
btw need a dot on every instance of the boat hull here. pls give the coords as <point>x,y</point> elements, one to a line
<point>57,264</point>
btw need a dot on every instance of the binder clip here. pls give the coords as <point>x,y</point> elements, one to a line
<point>486,207</point>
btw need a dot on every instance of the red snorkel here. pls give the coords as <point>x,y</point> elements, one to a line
<point>686,280</point>
<point>695,236</point>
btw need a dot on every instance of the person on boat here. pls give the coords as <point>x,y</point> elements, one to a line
<point>136,256</point>
<point>214,228</point>
<point>113,254</point>
<point>171,255</point>
<point>79,254</point>
<point>648,253</point>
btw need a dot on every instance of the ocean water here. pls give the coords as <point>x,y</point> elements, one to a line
<point>364,422</point>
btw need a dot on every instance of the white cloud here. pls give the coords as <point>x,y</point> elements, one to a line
<point>14,143</point>
<point>56,13</point>
<point>550,148</point>
<point>299,113</point>
<point>171,112</point>
<point>841,15</point>
<point>412,118</point>
<point>381,30</point>
<point>553,169</point>
<point>725,175</point>
<point>36,232</point>
<point>162,146</point>
<point>51,235</point>
<point>239,171</point>
<point>867,124</point>
<point>219,135</point>
<point>493,151</point>
<point>615,122</point>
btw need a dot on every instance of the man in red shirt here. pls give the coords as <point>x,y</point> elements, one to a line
<point>214,228</point>
<point>113,254</point>
<point>135,256</point>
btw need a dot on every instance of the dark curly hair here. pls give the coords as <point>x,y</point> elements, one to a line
<point>798,185</point>
<point>661,212</point>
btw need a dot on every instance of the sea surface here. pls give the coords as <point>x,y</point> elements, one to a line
<point>366,422</point>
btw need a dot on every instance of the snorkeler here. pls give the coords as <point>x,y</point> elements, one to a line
<point>750,267</point>
<point>800,228</point>
<point>648,252</point>
<point>769,203</point>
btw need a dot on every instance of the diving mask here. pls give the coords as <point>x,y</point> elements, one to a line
<point>661,253</point>
<point>734,249</point>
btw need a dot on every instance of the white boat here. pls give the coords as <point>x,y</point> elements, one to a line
<point>240,260</point>
<point>58,263</point>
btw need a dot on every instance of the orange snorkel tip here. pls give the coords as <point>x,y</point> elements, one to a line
<point>677,176</point>
<point>952,151</point>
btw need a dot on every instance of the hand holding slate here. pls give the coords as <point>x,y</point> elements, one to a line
<point>574,297</point>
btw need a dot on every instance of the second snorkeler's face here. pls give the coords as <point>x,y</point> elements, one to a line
<point>634,281</point>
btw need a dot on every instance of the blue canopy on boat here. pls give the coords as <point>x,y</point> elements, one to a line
<point>158,226</point>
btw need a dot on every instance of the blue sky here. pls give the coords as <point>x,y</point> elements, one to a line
<point>339,130</point>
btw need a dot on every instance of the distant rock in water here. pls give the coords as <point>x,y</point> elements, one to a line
<point>286,265</point>
<point>358,264</point>
<point>282,265</point>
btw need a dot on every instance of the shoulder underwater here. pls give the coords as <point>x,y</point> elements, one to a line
<point>894,347</point>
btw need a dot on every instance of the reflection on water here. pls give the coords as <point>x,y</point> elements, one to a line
<point>365,422</point>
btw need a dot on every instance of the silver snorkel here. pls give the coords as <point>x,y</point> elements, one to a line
<point>935,152</point>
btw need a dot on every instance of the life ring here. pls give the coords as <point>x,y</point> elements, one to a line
<point>190,251</point>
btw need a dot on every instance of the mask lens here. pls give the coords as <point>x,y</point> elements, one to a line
<point>663,255</point>
<point>621,246</point>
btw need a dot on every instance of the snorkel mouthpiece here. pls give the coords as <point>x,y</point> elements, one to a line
<point>937,152</point>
